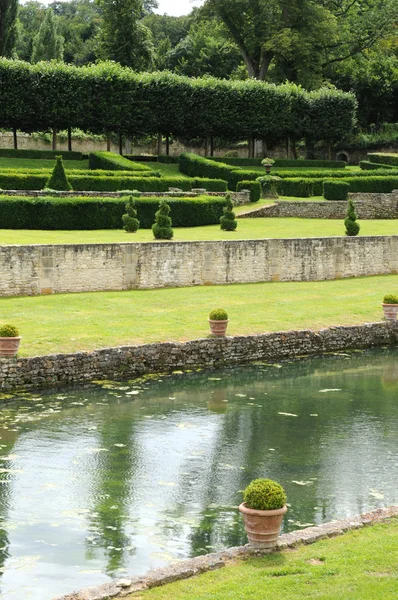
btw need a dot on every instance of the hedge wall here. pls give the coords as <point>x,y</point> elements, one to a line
<point>112,161</point>
<point>300,188</point>
<point>194,165</point>
<point>40,154</point>
<point>384,158</point>
<point>335,190</point>
<point>366,165</point>
<point>282,162</point>
<point>332,174</point>
<point>373,184</point>
<point>102,213</point>
<point>253,186</point>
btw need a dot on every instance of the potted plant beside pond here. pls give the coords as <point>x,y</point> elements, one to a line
<point>390,307</point>
<point>9,340</point>
<point>218,321</point>
<point>262,510</point>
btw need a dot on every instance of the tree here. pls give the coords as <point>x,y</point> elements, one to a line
<point>47,44</point>
<point>8,17</point>
<point>351,226</point>
<point>123,37</point>
<point>162,227</point>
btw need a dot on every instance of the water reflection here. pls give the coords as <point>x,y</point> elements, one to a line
<point>125,477</point>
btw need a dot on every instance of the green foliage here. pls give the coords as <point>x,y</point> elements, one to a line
<point>335,190</point>
<point>218,314</point>
<point>9,331</point>
<point>253,186</point>
<point>384,158</point>
<point>267,162</point>
<point>351,226</point>
<point>74,213</point>
<point>264,494</point>
<point>366,165</point>
<point>58,179</point>
<point>375,184</point>
<point>228,221</point>
<point>8,31</point>
<point>300,188</point>
<point>110,160</point>
<point>282,162</point>
<point>130,221</point>
<point>162,229</point>
<point>39,154</point>
<point>269,185</point>
<point>390,299</point>
<point>47,43</point>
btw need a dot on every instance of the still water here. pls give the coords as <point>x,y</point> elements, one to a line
<point>119,478</point>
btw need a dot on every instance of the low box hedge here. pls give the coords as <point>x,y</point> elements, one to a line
<point>114,162</point>
<point>383,185</point>
<point>282,162</point>
<point>253,186</point>
<point>197,166</point>
<point>300,188</point>
<point>366,165</point>
<point>141,157</point>
<point>40,154</point>
<point>384,158</point>
<point>335,190</point>
<point>103,213</point>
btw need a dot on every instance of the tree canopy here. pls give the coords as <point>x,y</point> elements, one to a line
<point>47,43</point>
<point>8,16</point>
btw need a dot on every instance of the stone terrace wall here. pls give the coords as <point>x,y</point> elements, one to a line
<point>29,270</point>
<point>134,361</point>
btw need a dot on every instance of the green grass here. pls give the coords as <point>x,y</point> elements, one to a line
<point>167,170</point>
<point>360,565</point>
<point>248,229</point>
<point>32,163</point>
<point>74,322</point>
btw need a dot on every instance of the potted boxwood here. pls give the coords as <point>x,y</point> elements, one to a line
<point>9,340</point>
<point>267,163</point>
<point>262,510</point>
<point>218,321</point>
<point>390,307</point>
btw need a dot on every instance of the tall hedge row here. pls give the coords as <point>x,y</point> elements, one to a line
<point>108,97</point>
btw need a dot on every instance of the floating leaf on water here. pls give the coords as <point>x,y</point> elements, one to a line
<point>271,449</point>
<point>11,471</point>
<point>376,494</point>
<point>120,445</point>
<point>241,395</point>
<point>330,390</point>
<point>10,457</point>
<point>169,483</point>
<point>314,415</point>
<point>302,482</point>
<point>185,426</point>
<point>132,393</point>
<point>161,556</point>
<point>287,414</point>
<point>214,379</point>
<point>171,398</point>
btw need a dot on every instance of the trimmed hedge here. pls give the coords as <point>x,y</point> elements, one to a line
<point>197,166</point>
<point>335,190</point>
<point>115,162</point>
<point>141,157</point>
<point>373,184</point>
<point>143,183</point>
<point>282,162</point>
<point>300,188</point>
<point>384,158</point>
<point>168,160</point>
<point>102,213</point>
<point>40,154</point>
<point>81,172</point>
<point>366,165</point>
<point>253,186</point>
<point>296,187</point>
<point>333,174</point>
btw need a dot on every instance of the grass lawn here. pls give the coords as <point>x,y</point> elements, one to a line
<point>360,565</point>
<point>247,229</point>
<point>33,163</point>
<point>73,322</point>
<point>167,170</point>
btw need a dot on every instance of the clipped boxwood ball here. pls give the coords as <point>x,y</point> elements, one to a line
<point>264,494</point>
<point>390,299</point>
<point>9,331</point>
<point>218,314</point>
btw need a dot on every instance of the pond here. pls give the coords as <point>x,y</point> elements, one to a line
<point>119,478</point>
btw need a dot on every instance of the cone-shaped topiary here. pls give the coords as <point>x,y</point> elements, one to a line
<point>130,222</point>
<point>351,225</point>
<point>58,179</point>
<point>162,229</point>
<point>264,494</point>
<point>227,221</point>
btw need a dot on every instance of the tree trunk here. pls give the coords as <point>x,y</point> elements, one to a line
<point>159,144</point>
<point>294,149</point>
<point>288,147</point>
<point>69,139</point>
<point>120,144</point>
<point>54,138</point>
<point>329,151</point>
<point>14,133</point>
<point>207,140</point>
<point>309,149</point>
<point>168,144</point>
<point>108,141</point>
<point>211,146</point>
<point>264,148</point>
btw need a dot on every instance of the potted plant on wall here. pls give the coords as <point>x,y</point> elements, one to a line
<point>267,163</point>
<point>218,321</point>
<point>390,307</point>
<point>262,510</point>
<point>9,340</point>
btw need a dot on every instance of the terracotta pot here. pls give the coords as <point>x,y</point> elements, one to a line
<point>262,526</point>
<point>218,328</point>
<point>390,311</point>
<point>9,346</point>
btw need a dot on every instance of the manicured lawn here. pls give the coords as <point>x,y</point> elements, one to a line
<point>73,322</point>
<point>167,170</point>
<point>360,565</point>
<point>32,163</point>
<point>247,229</point>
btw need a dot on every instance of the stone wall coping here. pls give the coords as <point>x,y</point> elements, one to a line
<point>184,569</point>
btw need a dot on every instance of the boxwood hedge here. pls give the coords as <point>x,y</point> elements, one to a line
<point>335,190</point>
<point>253,186</point>
<point>40,154</point>
<point>115,162</point>
<point>282,162</point>
<point>384,158</point>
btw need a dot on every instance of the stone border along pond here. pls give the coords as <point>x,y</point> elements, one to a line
<point>128,362</point>
<point>188,568</point>
<point>65,268</point>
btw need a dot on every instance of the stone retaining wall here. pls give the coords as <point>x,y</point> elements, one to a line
<point>47,269</point>
<point>134,361</point>
<point>367,206</point>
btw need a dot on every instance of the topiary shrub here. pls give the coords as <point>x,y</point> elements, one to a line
<point>254,188</point>
<point>218,314</point>
<point>390,299</point>
<point>350,222</point>
<point>9,331</point>
<point>335,190</point>
<point>162,229</point>
<point>228,221</point>
<point>130,222</point>
<point>264,494</point>
<point>269,184</point>
<point>58,179</point>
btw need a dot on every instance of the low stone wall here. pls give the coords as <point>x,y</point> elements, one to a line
<point>367,206</point>
<point>134,361</point>
<point>185,569</point>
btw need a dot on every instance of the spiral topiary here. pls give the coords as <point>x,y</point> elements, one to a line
<point>58,179</point>
<point>227,221</point>
<point>351,226</point>
<point>162,229</point>
<point>130,221</point>
<point>264,494</point>
<point>9,331</point>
